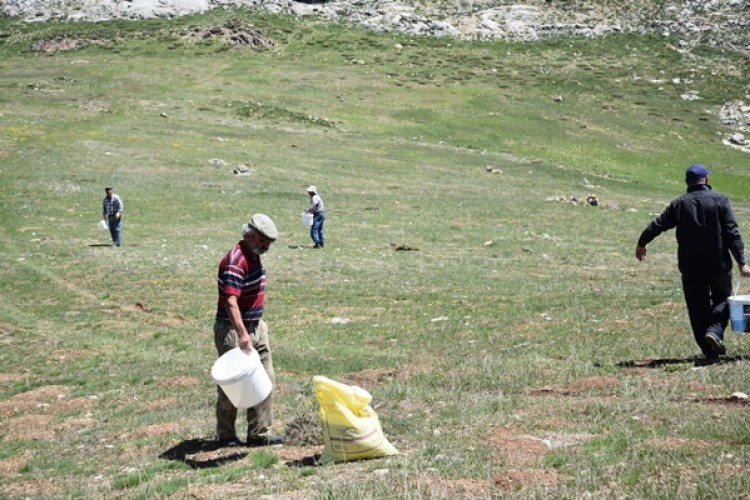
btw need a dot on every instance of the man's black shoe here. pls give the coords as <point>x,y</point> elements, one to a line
<point>229,442</point>
<point>267,440</point>
<point>716,343</point>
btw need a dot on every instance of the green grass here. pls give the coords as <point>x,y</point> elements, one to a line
<point>512,320</point>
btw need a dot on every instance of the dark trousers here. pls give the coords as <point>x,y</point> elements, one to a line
<point>260,417</point>
<point>707,305</point>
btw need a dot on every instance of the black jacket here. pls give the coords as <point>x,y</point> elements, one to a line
<point>706,233</point>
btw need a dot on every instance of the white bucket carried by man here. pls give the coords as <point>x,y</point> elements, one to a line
<point>739,311</point>
<point>307,219</point>
<point>103,225</point>
<point>242,377</point>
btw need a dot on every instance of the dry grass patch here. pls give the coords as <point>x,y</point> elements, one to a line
<point>33,488</point>
<point>71,354</point>
<point>668,443</point>
<point>74,424</point>
<point>29,428</point>
<point>172,382</point>
<point>160,404</point>
<point>157,430</point>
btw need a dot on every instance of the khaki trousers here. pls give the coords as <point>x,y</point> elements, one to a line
<point>260,417</point>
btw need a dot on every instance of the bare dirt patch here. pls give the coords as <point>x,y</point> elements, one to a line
<point>368,378</point>
<point>734,470</point>
<point>210,492</point>
<point>597,385</point>
<point>44,393</point>
<point>12,406</point>
<point>511,480</point>
<point>517,450</point>
<point>171,319</point>
<point>556,423</point>
<point>34,488</point>
<point>74,424</point>
<point>10,377</point>
<point>455,488</point>
<point>71,404</point>
<point>12,465</point>
<point>41,396</point>
<point>29,427</point>
<point>8,328</point>
<point>157,430</point>
<point>299,453</point>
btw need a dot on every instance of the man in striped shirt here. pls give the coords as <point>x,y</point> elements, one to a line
<point>239,323</point>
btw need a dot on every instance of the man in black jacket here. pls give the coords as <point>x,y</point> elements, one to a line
<point>707,239</point>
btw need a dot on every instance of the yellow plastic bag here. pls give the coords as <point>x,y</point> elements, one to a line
<point>351,429</point>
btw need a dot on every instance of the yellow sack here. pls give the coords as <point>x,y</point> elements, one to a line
<point>351,429</point>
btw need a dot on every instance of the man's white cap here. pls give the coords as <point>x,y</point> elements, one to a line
<point>264,225</point>
<point>312,189</point>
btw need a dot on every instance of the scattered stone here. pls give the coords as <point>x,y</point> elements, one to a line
<point>737,139</point>
<point>404,248</point>
<point>62,44</point>
<point>242,170</point>
<point>690,95</point>
<point>739,396</point>
<point>233,32</point>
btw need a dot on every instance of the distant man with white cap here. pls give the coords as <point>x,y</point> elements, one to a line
<point>707,239</point>
<point>318,210</point>
<point>239,323</point>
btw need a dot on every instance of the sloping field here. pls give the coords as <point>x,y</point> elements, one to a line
<point>511,342</point>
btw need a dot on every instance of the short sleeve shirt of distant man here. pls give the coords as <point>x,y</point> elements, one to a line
<point>241,274</point>
<point>110,206</point>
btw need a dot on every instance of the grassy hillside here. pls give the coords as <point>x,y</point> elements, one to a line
<point>512,344</point>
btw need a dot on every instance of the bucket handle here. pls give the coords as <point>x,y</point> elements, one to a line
<point>737,288</point>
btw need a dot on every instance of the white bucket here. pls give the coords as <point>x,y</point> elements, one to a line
<point>739,313</point>
<point>242,377</point>
<point>307,219</point>
<point>103,225</point>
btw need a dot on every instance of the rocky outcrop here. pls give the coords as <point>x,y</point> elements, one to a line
<point>720,23</point>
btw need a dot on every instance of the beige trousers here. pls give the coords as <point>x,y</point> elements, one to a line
<point>260,417</point>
